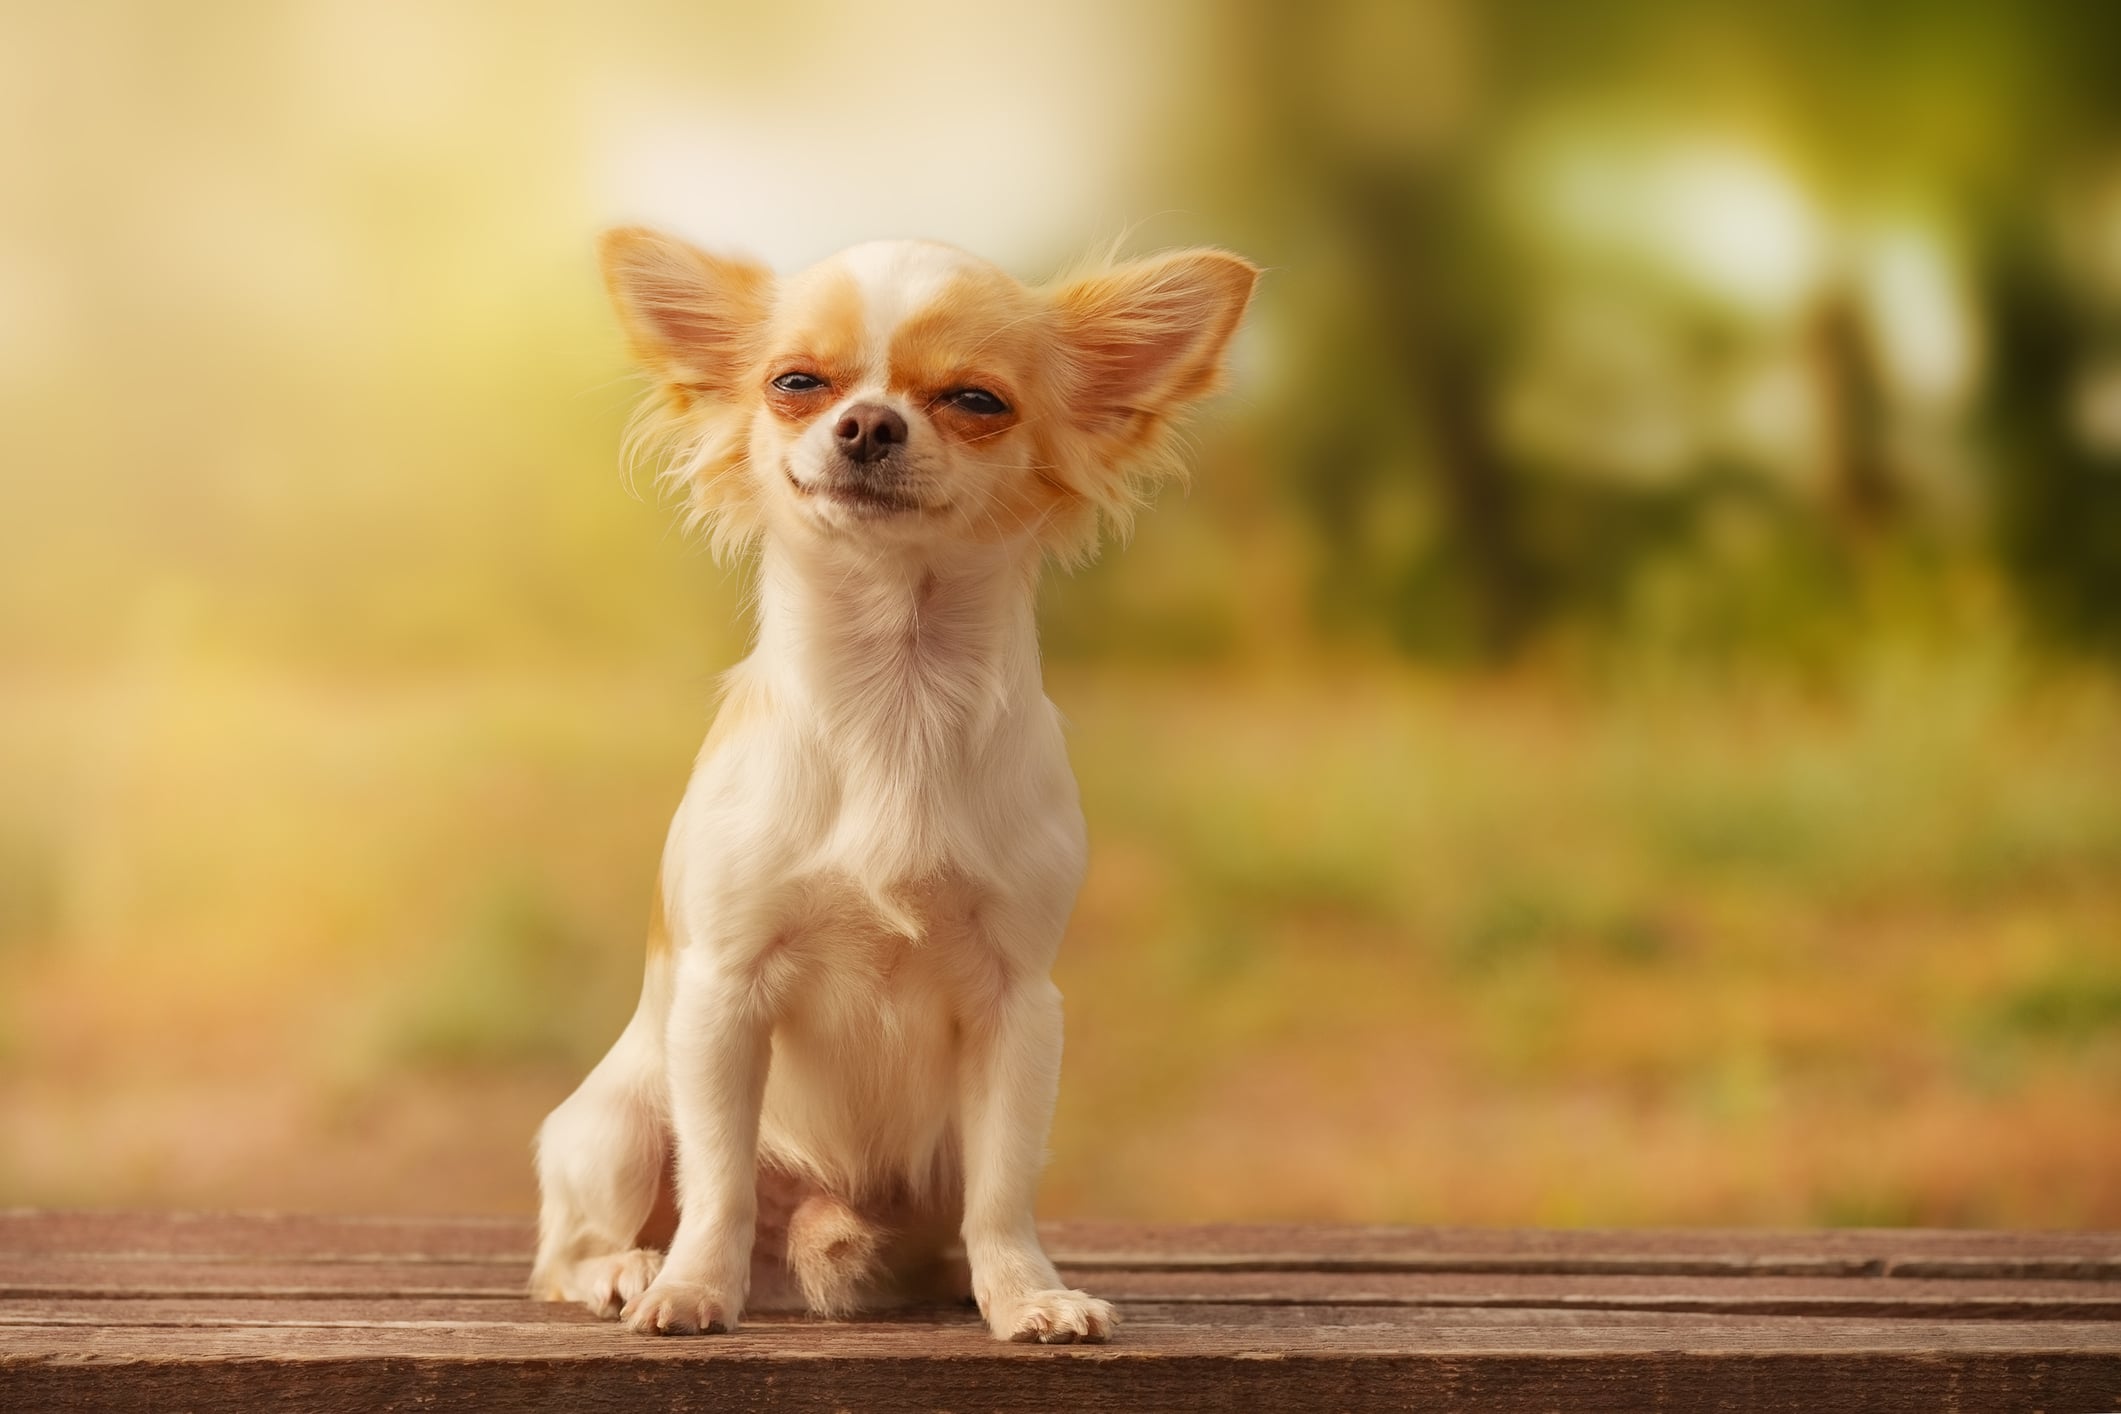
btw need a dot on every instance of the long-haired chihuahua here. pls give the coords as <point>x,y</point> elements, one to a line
<point>848,1043</point>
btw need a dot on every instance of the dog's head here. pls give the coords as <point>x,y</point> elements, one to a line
<point>905,393</point>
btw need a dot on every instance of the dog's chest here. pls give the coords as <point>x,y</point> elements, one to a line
<point>869,1029</point>
<point>923,942</point>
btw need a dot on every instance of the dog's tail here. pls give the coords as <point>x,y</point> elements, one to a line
<point>833,1251</point>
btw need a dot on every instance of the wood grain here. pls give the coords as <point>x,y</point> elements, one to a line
<point>57,1283</point>
<point>1099,1245</point>
<point>233,1312</point>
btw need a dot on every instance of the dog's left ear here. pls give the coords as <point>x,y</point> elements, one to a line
<point>693,319</point>
<point>1147,338</point>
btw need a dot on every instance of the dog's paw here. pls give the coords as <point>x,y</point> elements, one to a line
<point>682,1308</point>
<point>606,1284</point>
<point>1055,1317</point>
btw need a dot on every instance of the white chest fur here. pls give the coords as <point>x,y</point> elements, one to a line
<point>880,835</point>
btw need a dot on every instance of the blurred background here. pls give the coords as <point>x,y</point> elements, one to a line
<point>1623,729</point>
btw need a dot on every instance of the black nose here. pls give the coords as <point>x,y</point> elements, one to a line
<point>868,431</point>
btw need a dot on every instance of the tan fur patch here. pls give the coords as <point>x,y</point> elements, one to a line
<point>1148,337</point>
<point>658,924</point>
<point>690,318</point>
<point>832,1250</point>
<point>743,703</point>
<point>981,331</point>
<point>822,335</point>
<point>984,331</point>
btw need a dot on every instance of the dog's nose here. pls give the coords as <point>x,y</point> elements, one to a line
<point>867,431</point>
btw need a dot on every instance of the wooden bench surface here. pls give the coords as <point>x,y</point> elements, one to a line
<point>176,1311</point>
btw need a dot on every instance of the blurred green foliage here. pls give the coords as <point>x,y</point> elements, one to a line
<point>1398,168</point>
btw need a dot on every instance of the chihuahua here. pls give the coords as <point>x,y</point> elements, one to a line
<point>848,1044</point>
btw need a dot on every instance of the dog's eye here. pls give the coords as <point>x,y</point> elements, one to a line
<point>798,382</point>
<point>977,400</point>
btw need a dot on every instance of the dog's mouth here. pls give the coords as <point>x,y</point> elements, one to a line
<point>862,499</point>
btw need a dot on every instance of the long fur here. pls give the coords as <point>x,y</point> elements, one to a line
<point>848,1045</point>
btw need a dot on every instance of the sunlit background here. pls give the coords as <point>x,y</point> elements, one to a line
<point>1624,728</point>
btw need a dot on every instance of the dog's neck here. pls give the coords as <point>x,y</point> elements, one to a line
<point>911,652</point>
<point>915,683</point>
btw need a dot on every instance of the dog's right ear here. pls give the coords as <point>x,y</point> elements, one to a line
<point>692,319</point>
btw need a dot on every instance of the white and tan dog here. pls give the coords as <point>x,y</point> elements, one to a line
<point>848,1045</point>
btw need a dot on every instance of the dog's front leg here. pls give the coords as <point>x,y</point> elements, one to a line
<point>718,1045</point>
<point>1009,1073</point>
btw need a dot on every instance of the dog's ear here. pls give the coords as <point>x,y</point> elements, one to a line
<point>692,319</point>
<point>1144,339</point>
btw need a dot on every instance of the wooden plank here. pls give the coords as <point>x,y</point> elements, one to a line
<point>25,1289</point>
<point>1929,1301</point>
<point>148,1311</point>
<point>1760,1295</point>
<point>1155,1330</point>
<point>341,1308</point>
<point>1144,1320</point>
<point>2081,1268</point>
<point>1451,1382</point>
<point>122,1275</point>
<point>1194,1359</point>
<point>1099,1246</point>
<point>155,1236</point>
<point>1698,1251</point>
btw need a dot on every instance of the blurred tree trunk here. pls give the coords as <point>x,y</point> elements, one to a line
<point>1862,484</point>
<point>1407,214</point>
<point>2057,500</point>
<point>1405,223</point>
